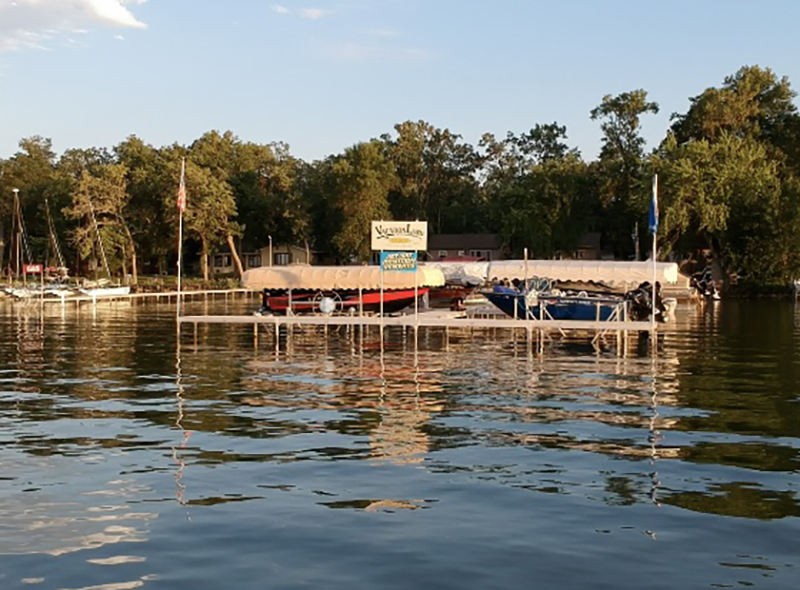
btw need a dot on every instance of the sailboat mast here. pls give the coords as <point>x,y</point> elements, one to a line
<point>99,239</point>
<point>53,237</point>
<point>15,230</point>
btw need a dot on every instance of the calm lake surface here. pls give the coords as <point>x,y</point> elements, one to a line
<point>468,461</point>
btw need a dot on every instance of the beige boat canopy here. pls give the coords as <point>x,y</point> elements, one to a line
<point>611,272</point>
<point>332,278</point>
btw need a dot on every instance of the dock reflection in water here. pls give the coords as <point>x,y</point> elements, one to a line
<point>343,460</point>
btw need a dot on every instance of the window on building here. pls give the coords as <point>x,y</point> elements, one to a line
<point>476,253</point>
<point>442,253</point>
<point>254,261</point>
<point>282,259</point>
<point>462,252</point>
<point>222,260</point>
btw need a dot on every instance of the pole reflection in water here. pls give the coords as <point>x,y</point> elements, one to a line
<point>654,437</point>
<point>177,455</point>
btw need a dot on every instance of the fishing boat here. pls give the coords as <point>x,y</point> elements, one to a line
<point>339,289</point>
<point>553,304</point>
<point>577,290</point>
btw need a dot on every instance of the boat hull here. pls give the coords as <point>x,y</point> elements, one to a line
<point>556,308</point>
<point>99,292</point>
<point>345,301</point>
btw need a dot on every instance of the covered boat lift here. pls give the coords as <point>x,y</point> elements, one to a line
<point>341,280</point>
<point>614,273</point>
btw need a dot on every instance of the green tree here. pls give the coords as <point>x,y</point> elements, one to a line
<point>435,178</point>
<point>98,205</point>
<point>752,103</point>
<point>728,193</point>
<point>622,180</point>
<point>32,172</point>
<point>363,177</point>
<point>267,195</point>
<point>209,209</point>
<point>544,209</point>
<point>752,121</point>
<point>149,179</point>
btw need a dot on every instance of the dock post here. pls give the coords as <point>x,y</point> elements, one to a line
<point>530,336</point>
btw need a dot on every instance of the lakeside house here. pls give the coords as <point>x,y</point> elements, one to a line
<point>472,247</point>
<point>281,255</point>
<point>587,248</point>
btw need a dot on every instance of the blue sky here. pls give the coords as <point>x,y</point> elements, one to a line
<point>321,75</point>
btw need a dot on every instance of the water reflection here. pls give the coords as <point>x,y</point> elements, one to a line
<point>109,422</point>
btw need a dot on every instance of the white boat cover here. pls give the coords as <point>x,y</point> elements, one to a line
<point>461,273</point>
<point>611,272</point>
<point>331,278</point>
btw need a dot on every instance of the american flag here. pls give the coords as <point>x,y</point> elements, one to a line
<point>182,188</point>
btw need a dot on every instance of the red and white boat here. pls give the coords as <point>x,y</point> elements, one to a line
<point>367,301</point>
<point>339,289</point>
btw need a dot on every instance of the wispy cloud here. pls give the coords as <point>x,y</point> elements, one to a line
<point>384,33</point>
<point>358,52</point>
<point>314,13</point>
<point>36,23</point>
<point>279,9</point>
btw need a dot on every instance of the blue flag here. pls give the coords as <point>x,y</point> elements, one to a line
<point>652,216</point>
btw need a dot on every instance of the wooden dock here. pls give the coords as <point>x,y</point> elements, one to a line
<point>435,318</point>
<point>148,296</point>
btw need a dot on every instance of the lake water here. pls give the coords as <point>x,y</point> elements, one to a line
<point>466,461</point>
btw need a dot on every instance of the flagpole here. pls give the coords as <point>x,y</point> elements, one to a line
<point>655,236</point>
<point>181,207</point>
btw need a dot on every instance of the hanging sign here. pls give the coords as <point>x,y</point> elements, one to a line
<point>400,261</point>
<point>32,269</point>
<point>400,235</point>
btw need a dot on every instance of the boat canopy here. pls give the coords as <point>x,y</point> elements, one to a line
<point>331,278</point>
<point>610,272</point>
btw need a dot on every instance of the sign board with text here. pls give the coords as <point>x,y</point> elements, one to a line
<point>32,269</point>
<point>399,261</point>
<point>400,235</point>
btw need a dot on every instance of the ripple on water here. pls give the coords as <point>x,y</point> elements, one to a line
<point>468,461</point>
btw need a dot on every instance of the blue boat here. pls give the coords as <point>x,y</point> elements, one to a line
<point>517,304</point>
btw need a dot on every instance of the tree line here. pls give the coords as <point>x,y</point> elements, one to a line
<point>728,169</point>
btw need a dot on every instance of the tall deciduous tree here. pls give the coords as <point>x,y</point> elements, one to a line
<point>217,154</point>
<point>32,171</point>
<point>620,169</point>
<point>209,210</point>
<point>753,103</point>
<point>436,178</point>
<point>98,204</point>
<point>364,175</point>
<point>149,178</point>
<point>727,193</point>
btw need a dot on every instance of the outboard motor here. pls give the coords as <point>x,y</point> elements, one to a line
<point>640,305</point>
<point>703,284</point>
<point>264,309</point>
